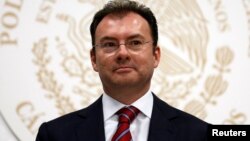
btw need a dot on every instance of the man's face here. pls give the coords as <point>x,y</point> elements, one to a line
<point>124,67</point>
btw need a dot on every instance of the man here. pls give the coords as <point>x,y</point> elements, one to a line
<point>125,53</point>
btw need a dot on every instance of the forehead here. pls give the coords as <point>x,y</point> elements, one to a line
<point>122,26</point>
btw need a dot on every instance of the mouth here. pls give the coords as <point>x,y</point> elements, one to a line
<point>123,69</point>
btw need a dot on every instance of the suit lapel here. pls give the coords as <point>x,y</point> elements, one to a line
<point>92,127</point>
<point>161,129</point>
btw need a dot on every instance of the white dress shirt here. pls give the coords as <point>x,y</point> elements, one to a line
<point>139,127</point>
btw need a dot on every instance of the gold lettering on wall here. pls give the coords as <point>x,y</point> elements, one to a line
<point>29,116</point>
<point>221,15</point>
<point>45,11</point>
<point>9,22</point>
<point>246,4</point>
<point>17,4</point>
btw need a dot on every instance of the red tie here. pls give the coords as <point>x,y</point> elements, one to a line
<point>126,116</point>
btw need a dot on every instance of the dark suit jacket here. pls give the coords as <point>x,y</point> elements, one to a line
<point>167,124</point>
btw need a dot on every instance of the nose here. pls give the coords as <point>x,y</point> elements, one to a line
<point>123,54</point>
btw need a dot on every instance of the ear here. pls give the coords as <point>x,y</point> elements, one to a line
<point>157,56</point>
<point>93,59</point>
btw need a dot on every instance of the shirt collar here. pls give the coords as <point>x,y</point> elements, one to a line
<point>111,106</point>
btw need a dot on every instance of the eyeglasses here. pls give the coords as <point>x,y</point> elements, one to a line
<point>131,45</point>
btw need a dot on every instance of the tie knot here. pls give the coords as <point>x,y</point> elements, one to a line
<point>127,114</point>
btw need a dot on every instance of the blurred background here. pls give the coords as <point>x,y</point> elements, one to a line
<point>45,70</point>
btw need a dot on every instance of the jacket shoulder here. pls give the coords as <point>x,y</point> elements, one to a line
<point>63,125</point>
<point>185,124</point>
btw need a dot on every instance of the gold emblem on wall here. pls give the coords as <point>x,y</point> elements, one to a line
<point>186,28</point>
<point>198,59</point>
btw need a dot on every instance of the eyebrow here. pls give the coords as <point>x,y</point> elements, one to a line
<point>115,39</point>
<point>136,36</point>
<point>107,38</point>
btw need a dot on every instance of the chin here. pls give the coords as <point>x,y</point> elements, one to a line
<point>126,82</point>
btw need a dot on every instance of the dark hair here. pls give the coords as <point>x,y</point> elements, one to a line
<point>123,6</point>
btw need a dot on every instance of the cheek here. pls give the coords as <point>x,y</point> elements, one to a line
<point>148,57</point>
<point>103,63</point>
<point>148,61</point>
<point>144,61</point>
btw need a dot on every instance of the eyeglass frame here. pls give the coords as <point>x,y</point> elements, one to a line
<point>128,44</point>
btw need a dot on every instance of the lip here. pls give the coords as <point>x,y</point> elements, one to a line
<point>123,69</point>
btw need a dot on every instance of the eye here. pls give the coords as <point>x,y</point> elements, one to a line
<point>108,44</point>
<point>135,43</point>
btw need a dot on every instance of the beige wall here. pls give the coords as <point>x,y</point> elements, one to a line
<point>45,69</point>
